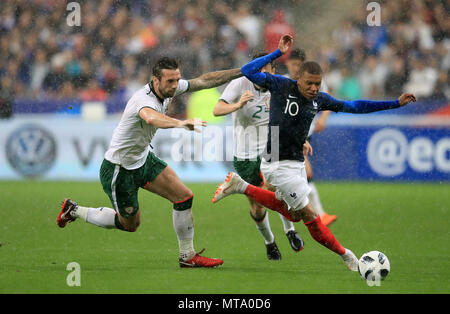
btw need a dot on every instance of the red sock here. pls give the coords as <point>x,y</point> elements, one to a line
<point>323,235</point>
<point>267,199</point>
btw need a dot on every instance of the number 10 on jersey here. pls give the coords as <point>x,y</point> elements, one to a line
<point>291,107</point>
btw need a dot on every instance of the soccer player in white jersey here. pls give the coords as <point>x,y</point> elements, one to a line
<point>294,62</point>
<point>249,105</point>
<point>129,164</point>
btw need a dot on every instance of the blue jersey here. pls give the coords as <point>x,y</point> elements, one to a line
<point>291,113</point>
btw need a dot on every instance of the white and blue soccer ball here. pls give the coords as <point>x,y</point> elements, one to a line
<point>374,266</point>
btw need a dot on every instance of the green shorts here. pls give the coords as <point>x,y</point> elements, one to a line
<point>122,185</point>
<point>249,170</point>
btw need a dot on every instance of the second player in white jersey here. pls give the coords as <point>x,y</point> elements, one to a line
<point>251,120</point>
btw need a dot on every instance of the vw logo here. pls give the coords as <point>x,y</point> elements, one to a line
<point>31,150</point>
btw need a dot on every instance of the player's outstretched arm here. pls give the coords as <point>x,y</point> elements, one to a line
<point>252,69</point>
<point>367,106</point>
<point>213,79</point>
<point>162,121</point>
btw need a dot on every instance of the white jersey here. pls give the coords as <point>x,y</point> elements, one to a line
<point>249,122</point>
<point>130,141</point>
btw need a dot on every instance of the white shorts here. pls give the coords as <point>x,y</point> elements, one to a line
<point>288,177</point>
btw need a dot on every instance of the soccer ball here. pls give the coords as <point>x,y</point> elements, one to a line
<point>374,266</point>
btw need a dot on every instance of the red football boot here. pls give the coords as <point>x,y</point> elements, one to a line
<point>201,261</point>
<point>65,215</point>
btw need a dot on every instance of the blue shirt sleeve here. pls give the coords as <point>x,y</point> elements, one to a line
<point>356,106</point>
<point>252,69</point>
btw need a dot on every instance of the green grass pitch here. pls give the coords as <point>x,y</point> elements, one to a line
<point>410,223</point>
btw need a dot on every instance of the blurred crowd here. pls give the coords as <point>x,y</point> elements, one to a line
<point>408,52</point>
<point>111,52</point>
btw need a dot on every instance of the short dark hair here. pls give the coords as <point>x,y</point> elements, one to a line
<point>298,54</point>
<point>164,63</point>
<point>311,67</point>
<point>262,54</point>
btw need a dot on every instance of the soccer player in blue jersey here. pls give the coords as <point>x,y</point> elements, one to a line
<point>294,63</point>
<point>293,106</point>
<point>249,106</point>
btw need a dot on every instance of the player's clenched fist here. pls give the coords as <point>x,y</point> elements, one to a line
<point>406,98</point>
<point>285,43</point>
<point>248,95</point>
<point>191,124</point>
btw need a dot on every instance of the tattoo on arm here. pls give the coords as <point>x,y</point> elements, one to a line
<point>213,79</point>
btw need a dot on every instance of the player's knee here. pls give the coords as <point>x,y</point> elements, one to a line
<point>270,187</point>
<point>308,213</point>
<point>258,213</point>
<point>185,203</point>
<point>131,223</point>
<point>256,210</point>
<point>132,226</point>
<point>182,195</point>
<point>296,215</point>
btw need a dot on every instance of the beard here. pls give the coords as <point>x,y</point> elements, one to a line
<point>167,94</point>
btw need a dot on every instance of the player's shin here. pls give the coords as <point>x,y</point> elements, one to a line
<point>103,216</point>
<point>263,226</point>
<point>268,199</point>
<point>287,224</point>
<point>183,223</point>
<point>323,235</point>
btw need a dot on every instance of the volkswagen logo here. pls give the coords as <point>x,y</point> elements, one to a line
<point>31,150</point>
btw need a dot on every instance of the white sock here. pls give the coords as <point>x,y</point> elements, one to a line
<point>103,216</point>
<point>183,223</point>
<point>264,228</point>
<point>241,185</point>
<point>315,200</point>
<point>287,224</point>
